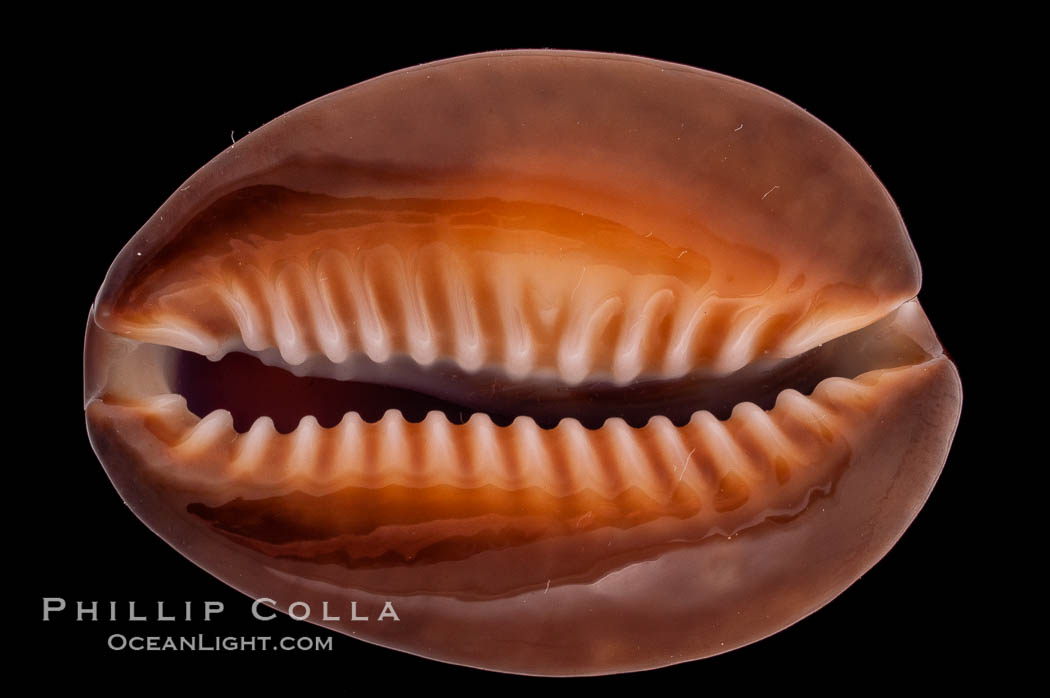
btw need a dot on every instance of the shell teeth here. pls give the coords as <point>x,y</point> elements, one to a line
<point>374,339</point>
<point>574,355</point>
<point>422,347</point>
<point>724,463</point>
<point>305,448</point>
<point>839,393</point>
<point>631,460</point>
<point>629,360</point>
<point>349,435</point>
<point>482,448</point>
<point>252,447</point>
<point>677,453</point>
<point>688,320</point>
<point>470,349</point>
<point>793,402</point>
<point>519,347</point>
<point>813,423</point>
<point>498,288</point>
<point>166,403</point>
<point>723,449</point>
<point>237,297</point>
<point>586,454</point>
<point>738,349</point>
<point>767,434</point>
<point>214,429</point>
<point>330,270</point>
<point>393,439</point>
<point>532,462</point>
<point>288,328</point>
<point>178,333</point>
<point>433,302</point>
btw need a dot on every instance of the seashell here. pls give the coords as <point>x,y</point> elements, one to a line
<point>585,363</point>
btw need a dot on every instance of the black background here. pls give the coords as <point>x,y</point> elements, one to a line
<point>120,123</point>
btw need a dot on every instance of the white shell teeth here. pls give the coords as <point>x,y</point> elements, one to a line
<point>801,407</point>
<point>738,349</point>
<point>288,328</point>
<point>440,451</point>
<point>422,343</point>
<point>375,341</point>
<point>469,346</point>
<point>770,438</point>
<point>247,313</point>
<point>305,448</point>
<point>753,446</point>
<point>482,311</point>
<point>250,453</point>
<point>179,334</point>
<point>678,360</point>
<point>716,437</point>
<point>843,393</point>
<point>215,428</point>
<point>334,337</point>
<point>349,435</point>
<point>519,348</point>
<point>574,355</point>
<point>166,403</point>
<point>531,458</point>
<point>631,460</point>
<point>677,453</point>
<point>630,360</point>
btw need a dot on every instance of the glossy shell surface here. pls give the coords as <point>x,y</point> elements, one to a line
<point>586,363</point>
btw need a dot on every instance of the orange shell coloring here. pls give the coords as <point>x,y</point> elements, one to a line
<point>583,363</point>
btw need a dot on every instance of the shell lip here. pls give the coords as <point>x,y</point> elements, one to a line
<point>147,511</point>
<point>414,392</point>
<point>257,157</point>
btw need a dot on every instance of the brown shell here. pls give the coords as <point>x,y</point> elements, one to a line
<point>566,225</point>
